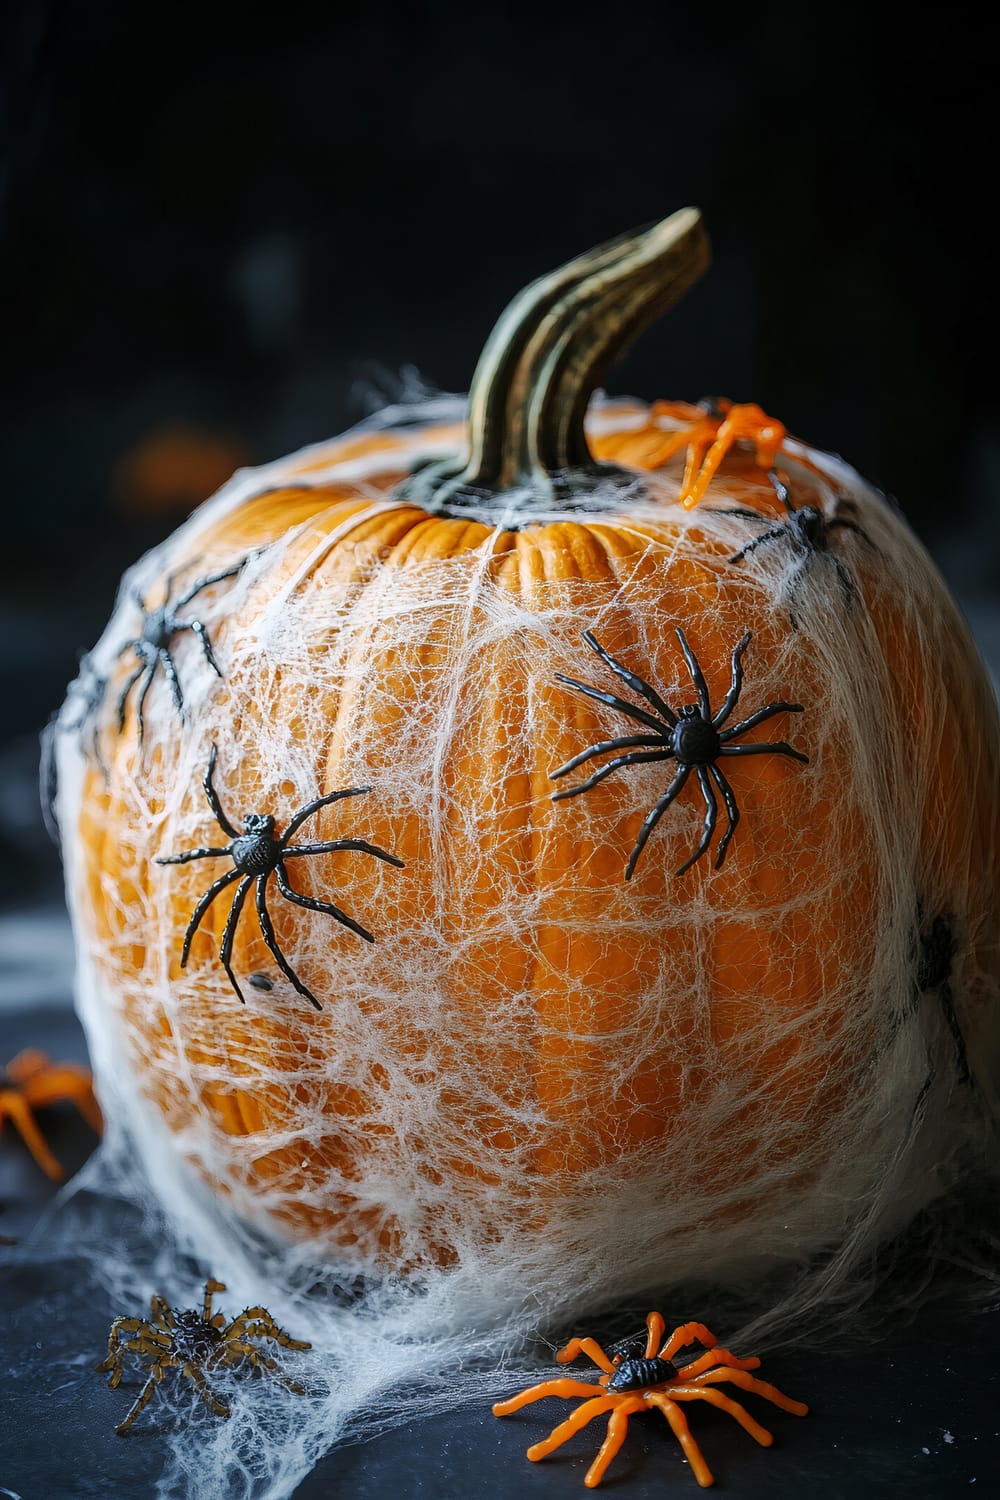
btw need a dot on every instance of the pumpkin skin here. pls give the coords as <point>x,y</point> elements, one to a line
<point>530,1035</point>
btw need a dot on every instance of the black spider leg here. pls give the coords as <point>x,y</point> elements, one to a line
<point>843,523</point>
<point>621,742</point>
<point>781,747</point>
<point>704,779</point>
<point>268,933</point>
<point>631,709</point>
<point>736,685</point>
<point>631,679</point>
<point>143,691</point>
<point>331,846</point>
<point>170,671</point>
<point>203,583</point>
<point>636,757</point>
<point>732,809</point>
<point>215,889</point>
<point>147,671</point>
<point>213,799</point>
<point>711,817</point>
<point>697,676</point>
<point>196,626</point>
<point>132,680</point>
<point>229,932</point>
<point>652,818</point>
<point>310,903</point>
<point>758,541</point>
<point>314,806</point>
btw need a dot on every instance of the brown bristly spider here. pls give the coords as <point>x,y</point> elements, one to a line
<point>194,1342</point>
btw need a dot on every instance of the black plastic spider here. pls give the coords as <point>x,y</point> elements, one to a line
<point>193,1342</point>
<point>152,647</point>
<point>692,736</point>
<point>85,696</point>
<point>807,530</point>
<point>257,853</point>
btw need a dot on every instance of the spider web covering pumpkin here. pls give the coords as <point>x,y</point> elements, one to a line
<point>542,1089</point>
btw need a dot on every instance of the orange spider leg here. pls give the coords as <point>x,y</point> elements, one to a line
<point>617,1428</point>
<point>561,1386</point>
<point>65,1082</point>
<point>655,1329</point>
<point>742,423</point>
<point>589,1347</point>
<point>759,1387</point>
<point>682,1433</point>
<point>695,464</point>
<point>718,1357</point>
<point>669,443</point>
<point>211,1287</point>
<point>687,1333</point>
<point>579,1419</point>
<point>725,1403</point>
<point>26,1064</point>
<point>15,1108</point>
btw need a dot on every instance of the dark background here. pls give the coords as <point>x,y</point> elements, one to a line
<point>222,235</point>
<point>227,229</point>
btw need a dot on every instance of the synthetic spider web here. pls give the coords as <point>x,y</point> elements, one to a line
<point>543,1090</point>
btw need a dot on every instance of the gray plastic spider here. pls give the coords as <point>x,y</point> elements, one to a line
<point>691,735</point>
<point>152,645</point>
<point>807,531</point>
<point>257,853</point>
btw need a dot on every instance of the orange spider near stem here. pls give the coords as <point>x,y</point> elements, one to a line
<point>32,1082</point>
<point>629,1386</point>
<point>721,426</point>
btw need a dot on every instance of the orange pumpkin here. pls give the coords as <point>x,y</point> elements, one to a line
<point>741,1053</point>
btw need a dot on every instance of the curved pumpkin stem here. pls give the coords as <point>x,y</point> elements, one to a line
<point>549,351</point>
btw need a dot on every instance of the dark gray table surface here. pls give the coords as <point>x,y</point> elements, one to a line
<point>915,1415</point>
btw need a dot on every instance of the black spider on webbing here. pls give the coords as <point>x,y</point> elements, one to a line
<point>691,735</point>
<point>257,853</point>
<point>936,952</point>
<point>152,645</point>
<point>86,695</point>
<point>807,530</point>
<point>79,716</point>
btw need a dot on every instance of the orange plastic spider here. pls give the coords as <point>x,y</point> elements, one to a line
<point>32,1082</point>
<point>720,427</point>
<point>632,1385</point>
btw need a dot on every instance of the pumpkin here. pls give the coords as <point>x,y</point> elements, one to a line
<point>524,1058</point>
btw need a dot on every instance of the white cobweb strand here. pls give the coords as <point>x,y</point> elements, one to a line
<point>901,1135</point>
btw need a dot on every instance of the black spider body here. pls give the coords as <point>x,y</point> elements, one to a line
<point>636,1374</point>
<point>194,1338</point>
<point>256,854</point>
<point>256,851</point>
<point>151,647</point>
<point>691,735</point>
<point>695,741</point>
<point>159,626</point>
<point>632,1346</point>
